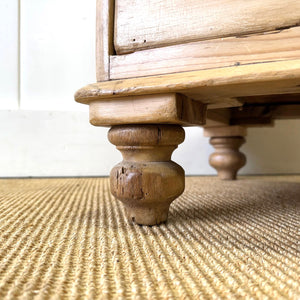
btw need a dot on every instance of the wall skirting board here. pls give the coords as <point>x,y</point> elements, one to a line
<point>56,143</point>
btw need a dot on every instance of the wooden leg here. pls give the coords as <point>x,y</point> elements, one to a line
<point>227,159</point>
<point>147,181</point>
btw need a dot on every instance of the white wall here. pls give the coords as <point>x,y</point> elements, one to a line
<point>9,54</point>
<point>51,143</point>
<point>57,52</point>
<point>46,54</point>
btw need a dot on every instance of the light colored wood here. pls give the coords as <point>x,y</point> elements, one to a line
<point>227,159</point>
<point>147,181</point>
<point>149,109</point>
<point>223,52</point>
<point>255,79</point>
<point>149,24</point>
<point>104,38</point>
<point>224,131</point>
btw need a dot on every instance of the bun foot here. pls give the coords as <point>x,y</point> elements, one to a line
<point>147,181</point>
<point>227,159</point>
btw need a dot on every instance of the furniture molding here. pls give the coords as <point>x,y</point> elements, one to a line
<point>269,78</point>
<point>168,108</point>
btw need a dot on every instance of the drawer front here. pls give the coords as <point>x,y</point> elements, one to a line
<point>216,53</point>
<point>144,24</point>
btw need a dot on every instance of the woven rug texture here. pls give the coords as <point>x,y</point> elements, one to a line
<point>69,238</point>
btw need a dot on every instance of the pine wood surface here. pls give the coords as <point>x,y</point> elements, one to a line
<point>248,80</point>
<point>148,24</point>
<point>104,38</point>
<point>161,108</point>
<point>223,52</point>
<point>147,181</point>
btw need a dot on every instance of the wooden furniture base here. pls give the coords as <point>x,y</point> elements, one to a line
<point>188,63</point>
<point>227,159</point>
<point>147,181</point>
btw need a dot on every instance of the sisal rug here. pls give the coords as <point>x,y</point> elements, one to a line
<point>68,238</point>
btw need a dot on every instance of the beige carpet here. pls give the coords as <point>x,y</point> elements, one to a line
<point>67,238</point>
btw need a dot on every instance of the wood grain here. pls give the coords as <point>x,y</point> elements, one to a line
<point>150,24</point>
<point>223,52</point>
<point>255,79</point>
<point>149,109</point>
<point>104,38</point>
<point>146,181</point>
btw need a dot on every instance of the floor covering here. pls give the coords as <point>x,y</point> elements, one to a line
<point>69,238</point>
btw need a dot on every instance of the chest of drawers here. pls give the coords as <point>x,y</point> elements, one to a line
<point>161,65</point>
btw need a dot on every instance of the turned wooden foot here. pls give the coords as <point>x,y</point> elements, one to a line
<point>147,181</point>
<point>227,159</point>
